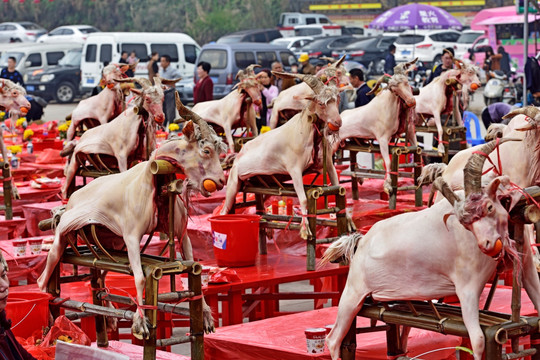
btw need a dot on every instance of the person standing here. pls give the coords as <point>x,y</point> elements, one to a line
<point>505,61</point>
<point>123,58</point>
<point>152,66</point>
<point>307,68</point>
<point>11,73</point>
<point>447,63</point>
<point>167,71</point>
<point>204,88</point>
<point>357,80</point>
<point>268,94</point>
<point>390,60</point>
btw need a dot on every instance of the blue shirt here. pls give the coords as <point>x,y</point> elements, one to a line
<point>390,63</point>
<point>14,76</point>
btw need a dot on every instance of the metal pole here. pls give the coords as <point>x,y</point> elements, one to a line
<point>525,46</point>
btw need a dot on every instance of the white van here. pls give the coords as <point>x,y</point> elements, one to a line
<point>32,57</point>
<point>106,47</point>
<point>295,18</point>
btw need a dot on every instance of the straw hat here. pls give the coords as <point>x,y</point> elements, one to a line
<point>303,57</point>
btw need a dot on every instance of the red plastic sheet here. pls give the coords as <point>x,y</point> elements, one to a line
<point>135,352</point>
<point>29,195</point>
<point>11,228</point>
<point>34,213</point>
<point>283,338</point>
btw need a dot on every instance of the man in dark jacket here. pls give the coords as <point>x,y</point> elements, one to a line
<point>10,73</point>
<point>390,60</point>
<point>204,88</point>
<point>447,58</point>
<point>357,80</point>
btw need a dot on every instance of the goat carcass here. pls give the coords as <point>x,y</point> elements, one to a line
<point>294,99</point>
<point>105,106</point>
<point>292,148</point>
<point>385,116</point>
<point>436,98</point>
<point>400,259</point>
<point>12,100</point>
<point>126,204</point>
<point>234,108</point>
<point>132,129</point>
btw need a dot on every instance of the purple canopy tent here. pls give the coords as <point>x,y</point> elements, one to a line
<point>415,16</point>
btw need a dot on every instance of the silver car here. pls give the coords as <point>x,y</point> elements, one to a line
<point>23,31</point>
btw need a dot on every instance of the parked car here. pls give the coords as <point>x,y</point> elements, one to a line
<point>353,31</point>
<point>227,59</point>
<point>295,18</point>
<point>23,31</point>
<point>75,33</point>
<point>258,36</point>
<point>467,40</point>
<point>36,57</point>
<point>317,30</point>
<point>59,82</point>
<point>325,46</point>
<point>370,52</point>
<point>427,45</point>
<point>294,43</point>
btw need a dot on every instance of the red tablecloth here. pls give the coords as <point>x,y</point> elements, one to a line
<point>283,338</point>
<point>27,267</point>
<point>11,228</point>
<point>30,195</point>
<point>135,352</point>
<point>34,213</point>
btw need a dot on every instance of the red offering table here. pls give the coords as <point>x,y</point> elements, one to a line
<point>31,195</point>
<point>27,267</point>
<point>13,228</point>
<point>264,279</point>
<point>135,352</point>
<point>283,338</point>
<point>34,213</point>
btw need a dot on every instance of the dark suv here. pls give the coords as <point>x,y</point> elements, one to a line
<point>60,82</point>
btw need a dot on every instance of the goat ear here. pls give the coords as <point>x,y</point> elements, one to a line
<point>493,187</point>
<point>124,68</point>
<point>505,189</point>
<point>189,130</point>
<point>136,91</point>
<point>309,97</point>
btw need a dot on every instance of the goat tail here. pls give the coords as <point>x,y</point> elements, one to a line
<point>430,173</point>
<point>68,148</point>
<point>344,247</point>
<point>57,213</point>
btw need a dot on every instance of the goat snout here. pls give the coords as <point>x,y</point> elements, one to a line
<point>495,250</point>
<point>257,102</point>
<point>475,86</point>
<point>160,118</point>
<point>411,103</point>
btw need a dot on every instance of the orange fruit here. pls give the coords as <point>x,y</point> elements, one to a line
<point>209,185</point>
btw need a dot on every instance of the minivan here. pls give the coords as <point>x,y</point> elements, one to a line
<point>33,57</point>
<point>294,19</point>
<point>227,59</point>
<point>106,47</point>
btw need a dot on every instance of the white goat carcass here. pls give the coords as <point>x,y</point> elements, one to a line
<point>436,98</point>
<point>127,206</point>
<point>401,259</point>
<point>234,109</point>
<point>100,108</point>
<point>131,130</point>
<point>294,99</point>
<point>12,100</point>
<point>384,117</point>
<point>292,148</point>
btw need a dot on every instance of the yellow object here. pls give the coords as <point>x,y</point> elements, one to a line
<point>20,121</point>
<point>209,185</point>
<point>303,57</point>
<point>28,133</point>
<point>174,127</point>
<point>15,149</point>
<point>265,129</point>
<point>345,6</point>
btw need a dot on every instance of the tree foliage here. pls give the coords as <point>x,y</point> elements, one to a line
<point>204,20</point>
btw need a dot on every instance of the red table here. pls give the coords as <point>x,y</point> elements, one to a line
<point>135,352</point>
<point>283,338</point>
<point>31,195</point>
<point>11,228</point>
<point>34,213</point>
<point>26,268</point>
<point>264,279</point>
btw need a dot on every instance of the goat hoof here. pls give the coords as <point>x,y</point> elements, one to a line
<point>139,327</point>
<point>440,149</point>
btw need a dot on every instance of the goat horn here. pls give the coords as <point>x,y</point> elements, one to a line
<point>144,82</point>
<point>472,173</point>
<point>442,186</point>
<point>378,84</point>
<point>239,75</point>
<point>250,69</point>
<point>338,63</point>
<point>314,82</point>
<point>187,114</point>
<point>169,82</point>
<point>529,111</point>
